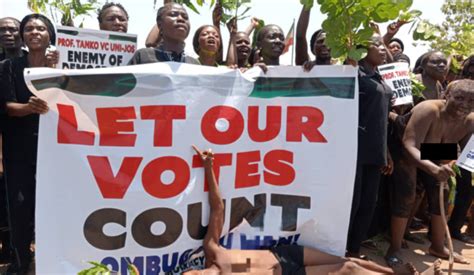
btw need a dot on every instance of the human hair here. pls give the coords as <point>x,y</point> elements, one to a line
<point>465,85</point>
<point>264,30</point>
<point>314,37</point>
<point>402,47</point>
<point>465,66</point>
<point>17,22</point>
<point>164,8</point>
<point>198,33</point>
<point>45,20</point>
<point>401,56</point>
<point>418,69</point>
<point>101,11</point>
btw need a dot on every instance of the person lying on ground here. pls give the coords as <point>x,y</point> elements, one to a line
<point>439,121</point>
<point>287,259</point>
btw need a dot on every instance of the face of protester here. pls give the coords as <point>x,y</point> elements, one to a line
<point>460,103</point>
<point>209,40</point>
<point>320,49</point>
<point>376,52</point>
<point>242,43</point>
<point>394,47</point>
<point>436,66</point>
<point>272,43</point>
<point>36,35</point>
<point>114,19</point>
<point>9,34</point>
<point>174,23</point>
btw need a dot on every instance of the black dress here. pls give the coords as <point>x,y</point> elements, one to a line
<point>20,138</point>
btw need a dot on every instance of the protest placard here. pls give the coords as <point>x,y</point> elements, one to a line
<point>85,49</point>
<point>397,76</point>
<point>466,159</point>
<point>119,183</point>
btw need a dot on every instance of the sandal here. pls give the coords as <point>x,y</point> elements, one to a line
<point>393,261</point>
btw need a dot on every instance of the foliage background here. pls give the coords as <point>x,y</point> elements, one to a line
<point>281,12</point>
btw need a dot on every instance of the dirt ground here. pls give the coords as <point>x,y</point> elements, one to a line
<point>416,254</point>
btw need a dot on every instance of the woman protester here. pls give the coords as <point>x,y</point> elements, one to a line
<point>21,135</point>
<point>270,45</point>
<point>173,22</point>
<point>113,17</point>
<point>207,44</point>
<point>372,157</point>
<point>207,40</point>
<point>433,69</point>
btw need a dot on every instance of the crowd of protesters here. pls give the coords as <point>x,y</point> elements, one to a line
<point>389,168</point>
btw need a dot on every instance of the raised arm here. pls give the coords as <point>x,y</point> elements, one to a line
<point>415,134</point>
<point>232,58</point>
<point>216,215</point>
<point>216,21</point>
<point>301,49</point>
<point>153,38</point>
<point>392,30</point>
<point>254,22</point>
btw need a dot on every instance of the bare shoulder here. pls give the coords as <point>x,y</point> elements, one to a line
<point>428,108</point>
<point>470,122</point>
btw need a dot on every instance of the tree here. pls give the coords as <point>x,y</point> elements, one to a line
<point>67,10</point>
<point>455,35</point>
<point>230,7</point>
<point>348,23</point>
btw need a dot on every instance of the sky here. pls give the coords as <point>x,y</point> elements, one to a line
<point>280,12</point>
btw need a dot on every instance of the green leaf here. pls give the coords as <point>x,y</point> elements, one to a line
<point>409,16</point>
<point>132,269</point>
<point>308,4</point>
<point>357,54</point>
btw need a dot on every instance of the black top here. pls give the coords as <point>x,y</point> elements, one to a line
<point>153,55</point>
<point>3,111</point>
<point>20,135</point>
<point>374,105</point>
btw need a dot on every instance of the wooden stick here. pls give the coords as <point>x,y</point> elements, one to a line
<point>445,222</point>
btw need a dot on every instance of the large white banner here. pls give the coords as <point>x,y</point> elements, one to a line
<point>85,48</point>
<point>118,181</point>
